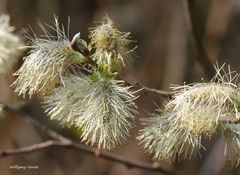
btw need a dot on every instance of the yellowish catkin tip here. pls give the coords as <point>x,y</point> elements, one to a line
<point>111,45</point>
<point>201,107</point>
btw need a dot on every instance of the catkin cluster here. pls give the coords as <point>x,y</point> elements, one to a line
<point>78,82</point>
<point>195,111</point>
<point>79,87</point>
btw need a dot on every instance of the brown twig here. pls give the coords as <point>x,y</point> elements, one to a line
<point>29,149</point>
<point>156,91</point>
<point>63,142</point>
<point>203,57</point>
<point>151,90</point>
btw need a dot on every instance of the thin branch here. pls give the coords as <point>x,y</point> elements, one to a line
<point>152,90</point>
<point>156,91</point>
<point>28,149</point>
<point>203,57</point>
<point>63,142</point>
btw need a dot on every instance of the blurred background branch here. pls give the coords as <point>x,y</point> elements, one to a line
<point>63,142</point>
<point>191,18</point>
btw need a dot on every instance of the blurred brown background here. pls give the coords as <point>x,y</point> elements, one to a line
<point>165,55</point>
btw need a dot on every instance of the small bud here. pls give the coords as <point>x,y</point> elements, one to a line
<point>80,45</point>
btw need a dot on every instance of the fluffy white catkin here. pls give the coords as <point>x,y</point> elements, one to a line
<point>103,109</point>
<point>196,110</point>
<point>50,57</point>
<point>9,45</point>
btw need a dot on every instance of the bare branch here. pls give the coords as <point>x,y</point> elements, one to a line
<point>152,90</point>
<point>63,142</point>
<point>28,149</point>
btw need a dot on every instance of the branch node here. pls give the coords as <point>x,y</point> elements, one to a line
<point>97,153</point>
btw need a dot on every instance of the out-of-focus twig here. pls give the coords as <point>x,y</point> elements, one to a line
<point>202,57</point>
<point>63,142</point>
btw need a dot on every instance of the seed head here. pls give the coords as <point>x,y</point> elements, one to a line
<point>9,44</point>
<point>111,45</point>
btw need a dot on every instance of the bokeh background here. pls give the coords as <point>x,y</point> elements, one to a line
<point>165,55</point>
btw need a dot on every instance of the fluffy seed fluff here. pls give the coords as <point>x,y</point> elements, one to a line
<point>50,57</point>
<point>103,109</point>
<point>111,45</point>
<point>9,44</point>
<point>196,110</point>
